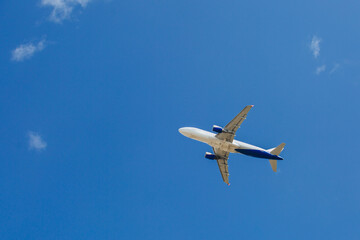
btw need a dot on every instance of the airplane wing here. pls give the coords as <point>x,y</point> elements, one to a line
<point>230,129</point>
<point>222,161</point>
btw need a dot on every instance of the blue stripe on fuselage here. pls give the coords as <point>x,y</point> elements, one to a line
<point>258,154</point>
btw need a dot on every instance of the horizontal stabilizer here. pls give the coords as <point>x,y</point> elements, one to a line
<point>275,151</point>
<point>273,164</point>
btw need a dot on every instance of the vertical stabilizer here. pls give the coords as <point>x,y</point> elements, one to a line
<point>275,151</point>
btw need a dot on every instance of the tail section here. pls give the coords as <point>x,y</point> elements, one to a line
<point>275,151</point>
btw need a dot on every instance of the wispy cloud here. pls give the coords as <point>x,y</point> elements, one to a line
<point>315,46</point>
<point>36,142</point>
<point>335,68</point>
<point>320,69</point>
<point>26,51</point>
<point>62,9</point>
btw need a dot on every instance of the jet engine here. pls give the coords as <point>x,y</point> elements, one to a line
<point>217,129</point>
<point>210,156</point>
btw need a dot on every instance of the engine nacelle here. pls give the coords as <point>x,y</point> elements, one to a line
<point>210,156</point>
<point>217,129</point>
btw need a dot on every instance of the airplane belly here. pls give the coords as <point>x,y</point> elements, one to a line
<point>223,145</point>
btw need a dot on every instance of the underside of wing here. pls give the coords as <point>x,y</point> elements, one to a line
<point>222,161</point>
<point>230,129</point>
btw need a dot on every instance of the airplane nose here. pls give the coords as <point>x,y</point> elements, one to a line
<point>184,131</point>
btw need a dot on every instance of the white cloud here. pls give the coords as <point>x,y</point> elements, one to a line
<point>320,69</point>
<point>315,46</point>
<point>36,142</point>
<point>62,9</point>
<point>26,51</point>
<point>335,68</point>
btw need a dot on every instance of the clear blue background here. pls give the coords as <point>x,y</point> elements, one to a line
<point>115,83</point>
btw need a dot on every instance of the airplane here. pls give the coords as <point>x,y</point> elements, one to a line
<point>223,143</point>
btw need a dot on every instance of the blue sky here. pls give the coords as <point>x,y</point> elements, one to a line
<point>93,93</point>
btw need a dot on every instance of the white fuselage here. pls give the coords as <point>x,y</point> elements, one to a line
<point>209,138</point>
